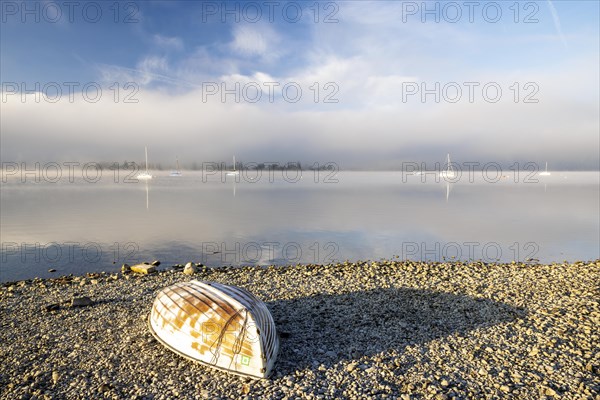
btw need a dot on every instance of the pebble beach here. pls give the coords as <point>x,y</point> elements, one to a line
<point>386,329</point>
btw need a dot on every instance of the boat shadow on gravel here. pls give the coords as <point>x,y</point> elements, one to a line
<point>326,329</point>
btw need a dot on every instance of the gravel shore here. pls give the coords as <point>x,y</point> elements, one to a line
<point>386,329</point>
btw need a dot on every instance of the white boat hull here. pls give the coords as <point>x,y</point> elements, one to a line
<point>447,175</point>
<point>222,326</point>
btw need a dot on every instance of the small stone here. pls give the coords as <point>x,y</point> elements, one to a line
<point>190,268</point>
<point>589,367</point>
<point>444,383</point>
<point>81,301</point>
<point>246,388</point>
<point>550,392</point>
<point>125,268</point>
<point>534,352</point>
<point>143,269</point>
<point>55,377</point>
<point>51,270</point>
<point>52,307</point>
<point>104,388</point>
<point>351,367</point>
<point>505,388</point>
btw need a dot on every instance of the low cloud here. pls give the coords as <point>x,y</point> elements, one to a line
<point>364,133</point>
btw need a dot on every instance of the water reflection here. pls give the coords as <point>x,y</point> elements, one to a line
<point>147,197</point>
<point>364,216</point>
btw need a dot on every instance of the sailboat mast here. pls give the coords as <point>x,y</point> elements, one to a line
<point>234,163</point>
<point>146,151</point>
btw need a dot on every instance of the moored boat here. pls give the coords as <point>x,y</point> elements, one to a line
<point>235,171</point>
<point>222,326</point>
<point>449,172</point>
<point>545,173</point>
<point>176,172</point>
<point>144,176</point>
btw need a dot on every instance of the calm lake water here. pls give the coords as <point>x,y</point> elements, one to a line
<point>83,226</point>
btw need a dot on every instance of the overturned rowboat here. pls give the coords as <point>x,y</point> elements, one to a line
<point>222,326</point>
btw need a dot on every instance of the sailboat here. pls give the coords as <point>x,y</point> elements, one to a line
<point>145,175</point>
<point>235,171</point>
<point>545,173</point>
<point>177,172</point>
<point>449,172</point>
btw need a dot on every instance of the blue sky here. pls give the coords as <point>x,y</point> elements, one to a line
<point>170,49</point>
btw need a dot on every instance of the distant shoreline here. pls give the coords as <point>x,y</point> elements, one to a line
<point>7,167</point>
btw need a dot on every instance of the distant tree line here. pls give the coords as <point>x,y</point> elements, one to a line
<point>196,166</point>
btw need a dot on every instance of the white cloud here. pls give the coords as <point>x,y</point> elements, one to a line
<point>258,77</point>
<point>153,64</point>
<point>168,43</point>
<point>149,70</point>
<point>255,40</point>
